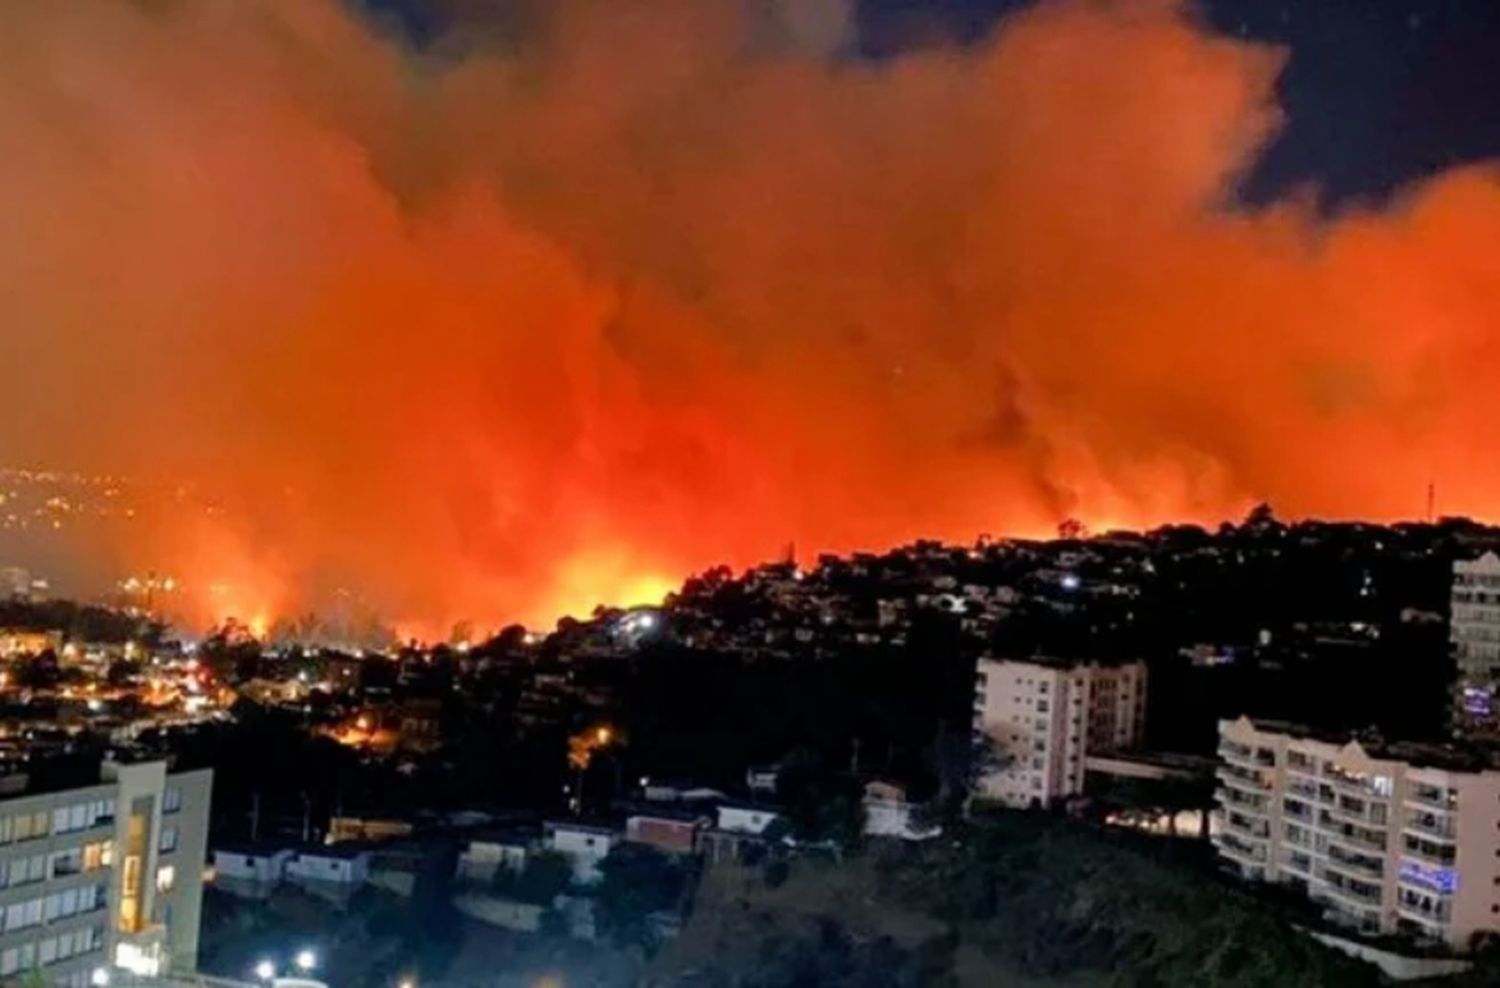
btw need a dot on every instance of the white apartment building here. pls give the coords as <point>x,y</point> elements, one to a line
<point>101,876</point>
<point>1043,717</point>
<point>1474,630</point>
<point>1385,837</point>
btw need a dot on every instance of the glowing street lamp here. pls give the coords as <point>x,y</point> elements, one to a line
<point>265,970</point>
<point>306,960</point>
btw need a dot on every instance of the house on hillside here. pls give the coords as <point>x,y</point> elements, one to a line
<point>585,845</point>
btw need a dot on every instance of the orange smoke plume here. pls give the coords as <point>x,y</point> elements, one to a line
<point>573,305</point>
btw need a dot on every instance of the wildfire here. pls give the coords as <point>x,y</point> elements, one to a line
<point>759,294</point>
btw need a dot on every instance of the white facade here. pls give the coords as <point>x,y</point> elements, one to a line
<point>482,859</point>
<point>244,864</point>
<point>1400,838</point>
<point>330,866</point>
<point>583,845</point>
<point>746,819</point>
<point>888,813</point>
<point>1474,629</point>
<point>1043,718</point>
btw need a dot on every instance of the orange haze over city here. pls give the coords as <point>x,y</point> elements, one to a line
<point>559,310</point>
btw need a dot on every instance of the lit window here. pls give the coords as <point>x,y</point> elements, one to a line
<point>166,878</point>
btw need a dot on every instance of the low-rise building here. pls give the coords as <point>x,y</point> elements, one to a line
<point>740,833</point>
<point>667,829</point>
<point>1385,837</point>
<point>488,854</point>
<point>1040,719</point>
<point>350,828</point>
<point>888,813</point>
<point>585,845</point>
<point>746,818</point>
<point>334,864</point>
<point>257,864</point>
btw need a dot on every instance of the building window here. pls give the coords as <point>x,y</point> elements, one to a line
<point>66,863</point>
<point>99,854</point>
<point>168,840</point>
<point>171,800</point>
<point>166,878</point>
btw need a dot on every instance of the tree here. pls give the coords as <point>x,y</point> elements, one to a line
<point>638,881</point>
<point>820,803</point>
<point>959,758</point>
<point>545,876</point>
<point>1071,529</point>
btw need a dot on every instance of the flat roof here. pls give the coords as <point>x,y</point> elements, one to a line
<point>1452,756</point>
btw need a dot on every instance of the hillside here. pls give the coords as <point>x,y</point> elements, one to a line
<point>1027,901</point>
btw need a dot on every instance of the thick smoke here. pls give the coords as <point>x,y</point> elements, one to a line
<point>559,309</point>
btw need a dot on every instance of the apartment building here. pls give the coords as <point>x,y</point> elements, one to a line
<point>1474,630</point>
<point>1385,837</point>
<point>102,875</point>
<point>1043,717</point>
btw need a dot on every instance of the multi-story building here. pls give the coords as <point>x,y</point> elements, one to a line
<point>1474,629</point>
<point>102,875</point>
<point>1041,718</point>
<point>1385,837</point>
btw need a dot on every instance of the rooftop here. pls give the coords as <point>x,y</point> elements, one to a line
<point>1058,662</point>
<point>1453,756</point>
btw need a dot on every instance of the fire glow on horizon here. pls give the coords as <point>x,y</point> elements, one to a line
<point>587,302</point>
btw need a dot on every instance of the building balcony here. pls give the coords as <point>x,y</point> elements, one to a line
<point>1253,829</point>
<point>1347,864</point>
<point>1434,826</point>
<point>1308,768</point>
<point>1439,913</point>
<point>1442,853</point>
<point>1247,779</point>
<point>1431,799</point>
<point>1355,843</point>
<point>1297,862</point>
<point>1255,803</point>
<point>1364,818</point>
<point>1303,788</point>
<point>1362,897</point>
<point>1251,857</point>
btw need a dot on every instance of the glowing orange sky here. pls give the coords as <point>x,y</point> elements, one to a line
<point>494,331</point>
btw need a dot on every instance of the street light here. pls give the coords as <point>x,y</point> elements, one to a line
<point>306,960</point>
<point>265,970</point>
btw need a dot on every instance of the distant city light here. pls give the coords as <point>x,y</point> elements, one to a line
<point>1070,581</point>
<point>306,960</point>
<point>265,970</point>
